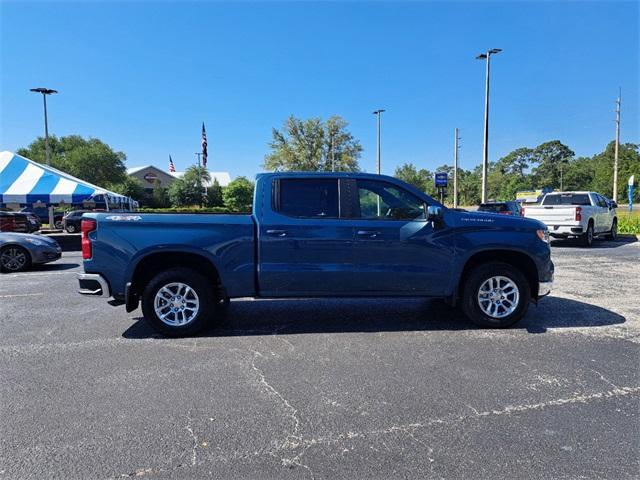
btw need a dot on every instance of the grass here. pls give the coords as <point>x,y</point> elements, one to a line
<point>629,222</point>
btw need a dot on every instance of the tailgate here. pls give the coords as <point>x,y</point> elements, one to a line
<point>552,215</point>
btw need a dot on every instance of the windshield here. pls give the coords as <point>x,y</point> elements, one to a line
<point>567,199</point>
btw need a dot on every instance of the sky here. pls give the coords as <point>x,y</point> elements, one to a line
<point>143,76</point>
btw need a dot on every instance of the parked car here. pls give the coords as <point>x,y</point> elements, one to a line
<point>71,220</point>
<point>503,208</point>
<point>18,222</point>
<point>310,235</point>
<point>18,251</point>
<point>43,216</point>
<point>577,214</point>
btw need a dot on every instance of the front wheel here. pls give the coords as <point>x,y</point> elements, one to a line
<point>71,228</point>
<point>178,302</point>
<point>14,259</point>
<point>613,233</point>
<point>495,295</point>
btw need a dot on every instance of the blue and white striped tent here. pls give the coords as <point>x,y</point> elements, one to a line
<point>25,182</point>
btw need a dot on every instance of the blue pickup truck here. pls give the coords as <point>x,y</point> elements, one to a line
<point>316,235</point>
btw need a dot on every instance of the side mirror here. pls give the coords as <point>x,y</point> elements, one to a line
<point>613,204</point>
<point>434,213</point>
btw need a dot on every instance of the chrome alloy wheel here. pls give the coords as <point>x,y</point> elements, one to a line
<point>498,297</point>
<point>13,259</point>
<point>176,304</point>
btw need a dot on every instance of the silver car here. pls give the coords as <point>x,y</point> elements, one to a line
<point>18,251</point>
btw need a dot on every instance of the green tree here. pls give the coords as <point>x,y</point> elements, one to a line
<point>130,187</point>
<point>160,196</point>
<point>628,164</point>
<point>551,157</point>
<point>238,195</point>
<point>422,179</point>
<point>313,145</point>
<point>214,195</point>
<point>87,159</point>
<point>189,190</point>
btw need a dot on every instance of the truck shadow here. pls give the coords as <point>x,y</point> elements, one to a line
<point>289,317</point>
<point>597,243</point>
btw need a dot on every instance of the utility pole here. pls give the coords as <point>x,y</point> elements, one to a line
<point>485,152</point>
<point>45,92</point>
<point>455,168</point>
<point>615,155</point>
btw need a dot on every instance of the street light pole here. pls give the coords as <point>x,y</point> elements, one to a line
<point>378,113</point>
<point>485,151</point>
<point>45,92</point>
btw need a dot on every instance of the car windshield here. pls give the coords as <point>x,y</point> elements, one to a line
<point>567,199</point>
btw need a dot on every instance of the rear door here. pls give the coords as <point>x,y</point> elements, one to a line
<point>396,251</point>
<point>305,248</point>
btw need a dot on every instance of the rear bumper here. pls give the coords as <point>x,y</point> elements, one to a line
<point>565,230</point>
<point>93,284</point>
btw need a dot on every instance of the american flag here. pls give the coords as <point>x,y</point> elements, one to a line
<point>172,167</point>
<point>204,146</point>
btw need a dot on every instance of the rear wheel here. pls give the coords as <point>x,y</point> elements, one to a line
<point>14,259</point>
<point>178,302</point>
<point>495,295</point>
<point>587,238</point>
<point>71,228</point>
<point>58,224</point>
<point>613,233</point>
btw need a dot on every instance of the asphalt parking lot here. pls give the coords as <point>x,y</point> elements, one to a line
<point>325,388</point>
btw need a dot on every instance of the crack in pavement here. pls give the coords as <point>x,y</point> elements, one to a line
<point>408,428</point>
<point>194,454</point>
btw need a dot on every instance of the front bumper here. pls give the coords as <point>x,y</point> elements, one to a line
<point>45,255</point>
<point>544,288</point>
<point>93,284</point>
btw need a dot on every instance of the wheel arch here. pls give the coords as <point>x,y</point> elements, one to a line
<point>154,262</point>
<point>516,258</point>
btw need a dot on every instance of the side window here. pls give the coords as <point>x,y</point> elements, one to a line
<point>308,197</point>
<point>601,201</point>
<point>384,201</point>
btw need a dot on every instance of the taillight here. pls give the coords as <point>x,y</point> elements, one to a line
<point>86,226</point>
<point>522,211</point>
<point>578,214</point>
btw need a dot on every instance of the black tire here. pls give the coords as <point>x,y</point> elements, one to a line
<point>206,301</point>
<point>471,288</point>
<point>587,237</point>
<point>71,229</point>
<point>14,258</point>
<point>613,233</point>
<point>58,225</point>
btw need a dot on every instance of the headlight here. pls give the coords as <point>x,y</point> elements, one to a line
<point>543,235</point>
<point>35,241</point>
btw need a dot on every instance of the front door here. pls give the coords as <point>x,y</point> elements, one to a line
<point>396,251</point>
<point>305,249</point>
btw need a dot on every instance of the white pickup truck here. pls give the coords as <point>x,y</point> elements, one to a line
<point>576,214</point>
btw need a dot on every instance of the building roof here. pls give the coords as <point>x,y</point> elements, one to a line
<point>223,178</point>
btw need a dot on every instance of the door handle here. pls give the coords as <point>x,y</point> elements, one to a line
<point>368,233</point>
<point>277,233</point>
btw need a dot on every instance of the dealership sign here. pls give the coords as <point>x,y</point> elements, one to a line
<point>150,177</point>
